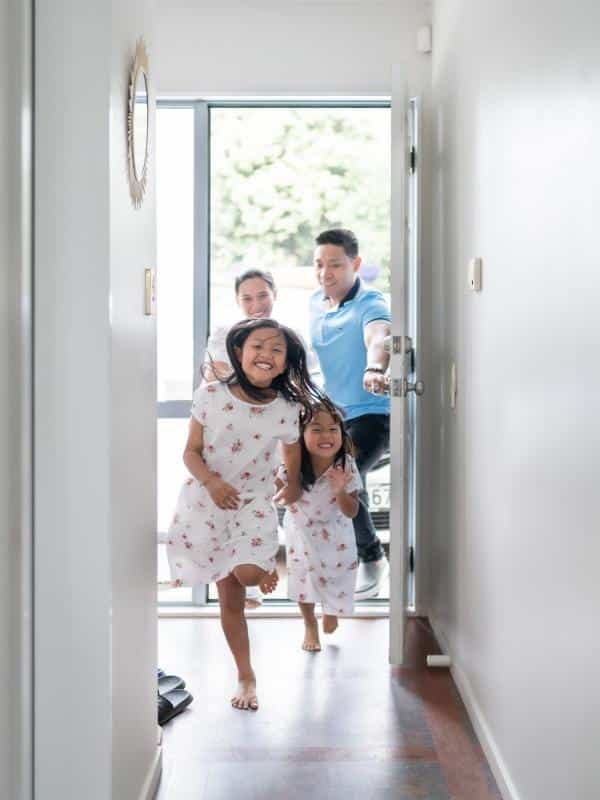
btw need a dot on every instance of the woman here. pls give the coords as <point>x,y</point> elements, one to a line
<point>255,294</point>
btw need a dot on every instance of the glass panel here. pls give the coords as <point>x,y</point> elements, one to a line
<point>183,595</point>
<point>281,175</point>
<point>278,177</point>
<point>172,436</point>
<point>175,252</point>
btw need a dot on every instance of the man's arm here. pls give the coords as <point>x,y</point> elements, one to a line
<point>375,334</point>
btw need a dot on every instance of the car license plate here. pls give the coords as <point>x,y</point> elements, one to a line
<point>379,497</point>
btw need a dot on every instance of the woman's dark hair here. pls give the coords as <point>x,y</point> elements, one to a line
<point>248,274</point>
<point>294,384</point>
<point>307,473</point>
<point>342,237</point>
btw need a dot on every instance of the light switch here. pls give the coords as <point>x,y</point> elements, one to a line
<point>453,386</point>
<point>150,293</point>
<point>475,274</point>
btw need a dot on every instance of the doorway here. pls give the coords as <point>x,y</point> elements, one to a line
<point>248,185</point>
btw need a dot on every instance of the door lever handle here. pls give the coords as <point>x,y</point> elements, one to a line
<point>400,387</point>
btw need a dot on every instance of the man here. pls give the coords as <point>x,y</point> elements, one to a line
<point>348,325</point>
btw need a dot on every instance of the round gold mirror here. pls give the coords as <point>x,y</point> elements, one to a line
<point>138,124</point>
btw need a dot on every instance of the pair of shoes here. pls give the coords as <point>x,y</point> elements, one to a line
<point>371,575</point>
<point>169,683</point>
<point>172,697</point>
<point>171,704</point>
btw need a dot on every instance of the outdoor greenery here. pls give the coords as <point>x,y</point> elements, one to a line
<point>281,175</point>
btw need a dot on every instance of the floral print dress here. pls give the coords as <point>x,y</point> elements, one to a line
<point>240,444</point>
<point>321,547</point>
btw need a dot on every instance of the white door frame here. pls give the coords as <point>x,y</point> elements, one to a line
<point>398,417</point>
<point>405,552</point>
<point>16,370</point>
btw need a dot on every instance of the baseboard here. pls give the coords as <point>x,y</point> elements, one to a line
<point>480,725</point>
<point>150,786</point>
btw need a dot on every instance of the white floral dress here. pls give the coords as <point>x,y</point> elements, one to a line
<point>321,547</point>
<point>240,444</point>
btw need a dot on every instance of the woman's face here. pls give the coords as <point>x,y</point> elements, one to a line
<point>255,297</point>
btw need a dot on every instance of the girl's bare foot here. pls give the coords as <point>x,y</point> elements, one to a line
<point>269,582</point>
<point>253,597</point>
<point>245,697</point>
<point>330,623</point>
<point>311,641</point>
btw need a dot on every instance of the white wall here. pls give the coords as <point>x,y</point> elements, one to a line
<point>15,397</point>
<point>515,574</point>
<point>133,431</point>
<point>95,541</point>
<point>286,47</point>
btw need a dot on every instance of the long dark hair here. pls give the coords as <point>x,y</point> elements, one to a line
<point>307,473</point>
<point>294,384</point>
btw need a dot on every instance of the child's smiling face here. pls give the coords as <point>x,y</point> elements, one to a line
<point>323,435</point>
<point>263,356</point>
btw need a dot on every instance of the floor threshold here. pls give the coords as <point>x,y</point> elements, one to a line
<point>379,610</point>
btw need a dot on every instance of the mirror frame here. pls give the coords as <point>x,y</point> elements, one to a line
<point>137,178</point>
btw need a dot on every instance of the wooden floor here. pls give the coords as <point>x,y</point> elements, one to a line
<point>337,724</point>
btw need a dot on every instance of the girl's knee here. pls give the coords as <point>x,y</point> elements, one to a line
<point>249,574</point>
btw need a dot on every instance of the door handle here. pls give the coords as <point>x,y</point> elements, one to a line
<point>400,387</point>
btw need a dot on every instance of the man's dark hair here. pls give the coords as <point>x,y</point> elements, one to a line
<point>341,237</point>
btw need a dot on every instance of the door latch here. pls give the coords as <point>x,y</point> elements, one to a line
<point>401,387</point>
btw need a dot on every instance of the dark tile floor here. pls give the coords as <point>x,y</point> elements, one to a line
<point>337,724</point>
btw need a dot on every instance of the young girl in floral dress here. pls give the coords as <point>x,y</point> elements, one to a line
<point>320,541</point>
<point>225,525</point>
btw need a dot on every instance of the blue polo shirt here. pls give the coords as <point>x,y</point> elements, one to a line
<point>337,338</point>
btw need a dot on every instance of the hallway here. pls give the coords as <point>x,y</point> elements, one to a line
<point>331,725</point>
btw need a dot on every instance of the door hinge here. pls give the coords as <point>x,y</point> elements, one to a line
<point>411,559</point>
<point>397,344</point>
<point>412,160</point>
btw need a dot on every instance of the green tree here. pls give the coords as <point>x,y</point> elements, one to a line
<point>281,175</point>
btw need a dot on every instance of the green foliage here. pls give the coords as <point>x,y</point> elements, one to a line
<point>279,176</point>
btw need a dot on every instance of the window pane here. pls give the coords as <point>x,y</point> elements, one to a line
<point>175,248</point>
<point>172,436</point>
<point>183,595</point>
<point>281,175</point>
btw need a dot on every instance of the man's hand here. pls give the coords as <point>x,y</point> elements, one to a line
<point>374,382</point>
<point>289,493</point>
<point>223,494</point>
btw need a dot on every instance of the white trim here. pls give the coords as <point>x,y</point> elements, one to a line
<point>271,612</point>
<point>480,724</point>
<point>150,787</point>
<point>272,98</point>
<point>398,412</point>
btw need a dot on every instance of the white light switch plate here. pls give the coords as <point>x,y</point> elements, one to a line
<point>453,386</point>
<point>475,274</point>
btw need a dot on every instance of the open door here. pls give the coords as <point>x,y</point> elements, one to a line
<point>403,387</point>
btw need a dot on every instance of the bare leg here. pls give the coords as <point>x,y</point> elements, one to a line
<point>233,622</point>
<point>251,575</point>
<point>311,628</point>
<point>330,623</point>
